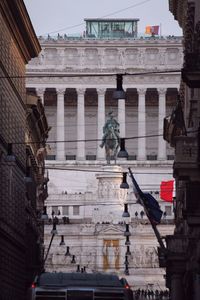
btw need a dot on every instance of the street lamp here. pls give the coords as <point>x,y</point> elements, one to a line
<point>122,152</point>
<point>73,261</point>
<point>54,230</point>
<point>126,271</point>
<point>127,243</point>
<point>67,253</point>
<point>125,213</point>
<point>127,232</point>
<point>124,184</point>
<point>119,92</point>
<point>128,252</point>
<point>62,242</point>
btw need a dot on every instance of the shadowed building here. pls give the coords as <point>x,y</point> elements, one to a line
<point>22,182</point>
<point>182,131</point>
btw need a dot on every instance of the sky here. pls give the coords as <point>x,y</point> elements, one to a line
<point>67,16</point>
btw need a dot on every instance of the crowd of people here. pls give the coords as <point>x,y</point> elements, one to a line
<point>151,295</point>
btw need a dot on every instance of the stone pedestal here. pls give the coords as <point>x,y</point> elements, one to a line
<point>111,198</point>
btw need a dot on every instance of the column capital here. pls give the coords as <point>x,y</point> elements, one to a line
<point>80,91</point>
<point>162,91</point>
<point>101,91</point>
<point>40,91</point>
<point>142,91</point>
<point>60,91</point>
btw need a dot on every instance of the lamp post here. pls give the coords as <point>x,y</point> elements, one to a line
<point>126,214</point>
<point>53,233</point>
<point>149,209</point>
<point>119,92</point>
<point>62,242</point>
<point>67,253</point>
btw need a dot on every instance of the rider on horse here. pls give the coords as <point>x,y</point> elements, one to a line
<point>111,125</point>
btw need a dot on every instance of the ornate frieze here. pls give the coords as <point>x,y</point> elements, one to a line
<point>83,56</point>
<point>143,256</point>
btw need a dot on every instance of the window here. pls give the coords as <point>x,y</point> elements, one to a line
<point>50,157</point>
<point>76,210</point>
<point>118,26</point>
<point>152,157</point>
<point>170,157</point>
<point>90,157</point>
<point>168,210</point>
<point>132,157</point>
<point>65,210</point>
<point>70,157</point>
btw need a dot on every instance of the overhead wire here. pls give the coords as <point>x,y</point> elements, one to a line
<point>61,75</point>
<point>85,140</point>
<point>121,205</point>
<point>104,171</point>
<point>95,140</point>
<point>90,125</point>
<point>105,16</point>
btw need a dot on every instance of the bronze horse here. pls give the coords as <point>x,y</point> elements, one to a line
<point>111,145</point>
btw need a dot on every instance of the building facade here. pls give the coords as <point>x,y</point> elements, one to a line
<point>36,180</point>
<point>20,178</point>
<point>75,78</point>
<point>182,257</point>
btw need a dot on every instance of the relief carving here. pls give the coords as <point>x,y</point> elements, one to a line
<point>144,257</point>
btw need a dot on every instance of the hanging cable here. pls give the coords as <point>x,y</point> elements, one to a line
<point>105,16</point>
<point>90,74</point>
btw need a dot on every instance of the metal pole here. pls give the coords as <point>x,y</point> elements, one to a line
<point>157,234</point>
<point>52,237</point>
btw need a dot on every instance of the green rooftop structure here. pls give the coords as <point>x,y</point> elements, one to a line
<point>111,28</point>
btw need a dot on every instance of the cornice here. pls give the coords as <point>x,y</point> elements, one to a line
<point>17,19</point>
<point>166,80</point>
<point>139,42</point>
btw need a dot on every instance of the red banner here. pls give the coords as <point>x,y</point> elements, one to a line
<point>166,190</point>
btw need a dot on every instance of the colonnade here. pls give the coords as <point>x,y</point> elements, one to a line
<point>100,154</point>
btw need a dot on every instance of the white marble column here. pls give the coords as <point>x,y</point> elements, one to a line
<point>80,124</point>
<point>121,117</point>
<point>60,135</point>
<point>101,122</point>
<point>40,93</point>
<point>141,124</point>
<point>161,116</point>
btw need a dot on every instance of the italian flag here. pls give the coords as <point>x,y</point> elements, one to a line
<point>152,29</point>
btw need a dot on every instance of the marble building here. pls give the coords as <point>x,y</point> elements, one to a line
<point>75,78</point>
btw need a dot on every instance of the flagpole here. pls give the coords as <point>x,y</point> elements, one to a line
<point>157,233</point>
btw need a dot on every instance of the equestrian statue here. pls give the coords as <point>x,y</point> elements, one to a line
<point>111,138</point>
